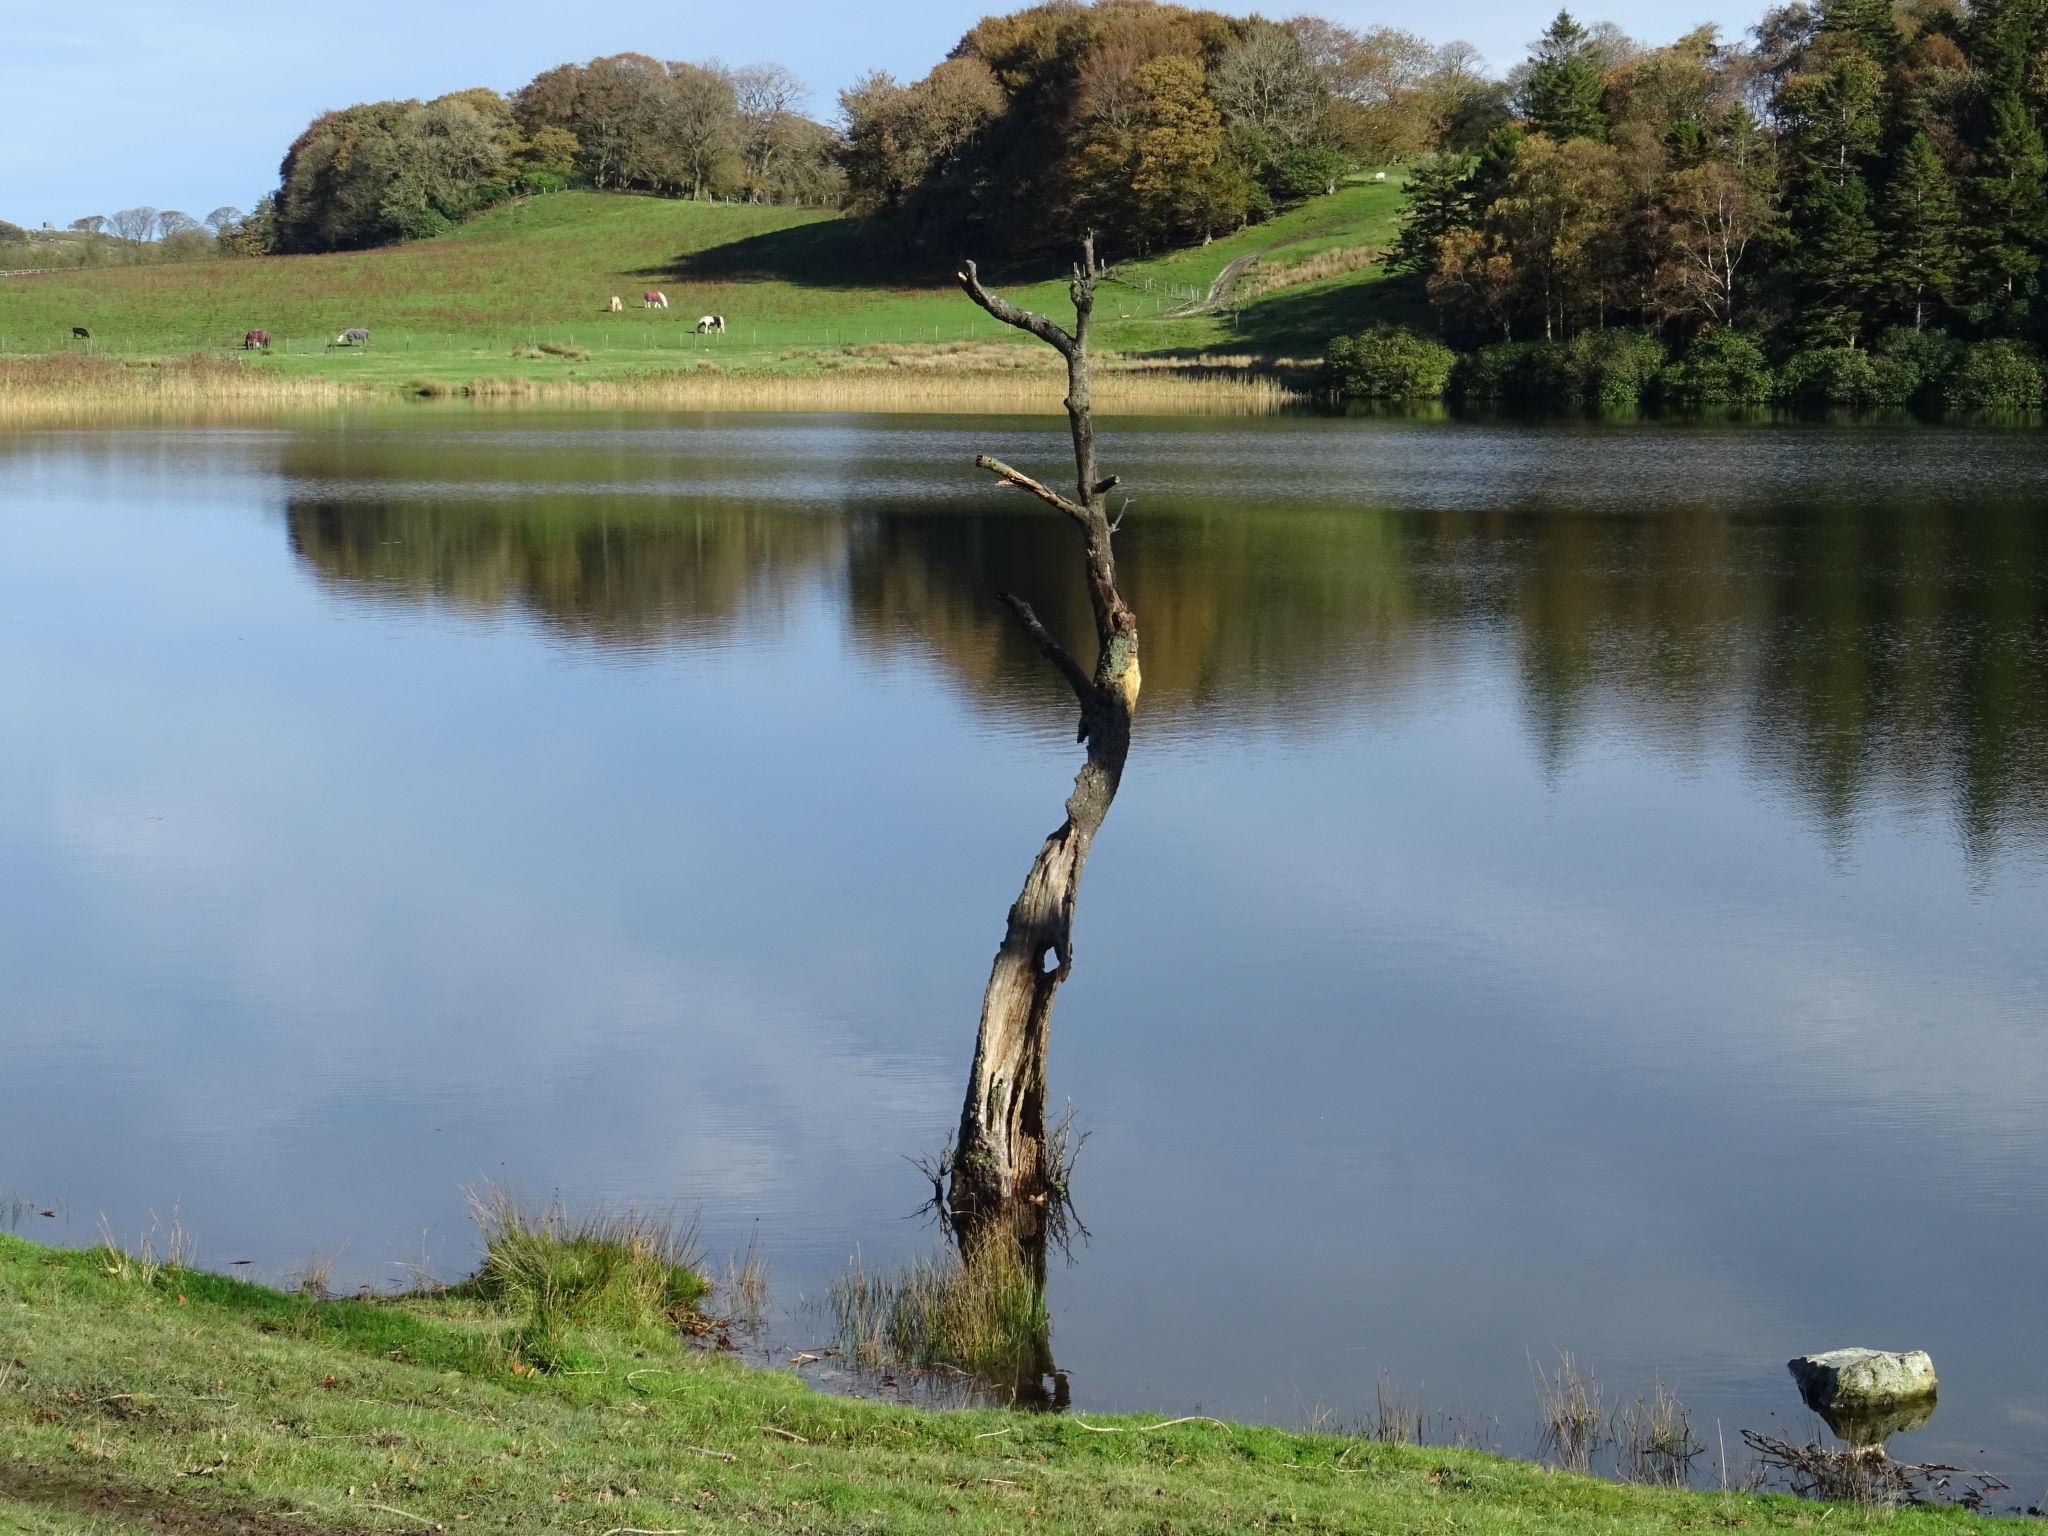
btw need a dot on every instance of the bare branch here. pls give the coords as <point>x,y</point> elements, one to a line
<point>1082,684</point>
<point>1024,482</point>
<point>1023,319</point>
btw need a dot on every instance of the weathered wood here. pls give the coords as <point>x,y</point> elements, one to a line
<point>1001,1167</point>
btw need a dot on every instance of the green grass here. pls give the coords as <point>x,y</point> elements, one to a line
<point>183,1402</point>
<point>542,272</point>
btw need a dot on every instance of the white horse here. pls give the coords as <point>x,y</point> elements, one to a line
<point>711,323</point>
<point>653,300</point>
<point>618,304</point>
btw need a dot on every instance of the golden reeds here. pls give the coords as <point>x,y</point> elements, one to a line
<point>63,389</point>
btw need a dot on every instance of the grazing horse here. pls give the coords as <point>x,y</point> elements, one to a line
<point>618,304</point>
<point>81,333</point>
<point>255,341</point>
<point>354,336</point>
<point>653,300</point>
<point>711,323</point>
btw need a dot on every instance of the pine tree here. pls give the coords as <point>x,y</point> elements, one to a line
<point>1923,253</point>
<point>1561,97</point>
<point>1439,201</point>
<point>1834,262</point>
<point>1868,21</point>
<point>2002,41</point>
<point>2009,205</point>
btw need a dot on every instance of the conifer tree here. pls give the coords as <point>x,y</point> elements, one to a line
<point>1868,21</point>
<point>2009,205</point>
<point>1561,97</point>
<point>1439,201</point>
<point>1923,254</point>
<point>1834,260</point>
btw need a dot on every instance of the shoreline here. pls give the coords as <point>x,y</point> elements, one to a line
<point>149,1397</point>
<point>55,389</point>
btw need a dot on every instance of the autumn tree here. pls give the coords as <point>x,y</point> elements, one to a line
<point>1557,221</point>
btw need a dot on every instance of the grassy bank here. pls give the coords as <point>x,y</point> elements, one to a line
<point>793,284</point>
<point>144,1399</point>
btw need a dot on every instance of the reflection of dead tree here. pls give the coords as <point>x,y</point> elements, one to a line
<point>1001,1164</point>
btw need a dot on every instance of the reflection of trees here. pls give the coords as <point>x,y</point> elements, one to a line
<point>1862,653</point>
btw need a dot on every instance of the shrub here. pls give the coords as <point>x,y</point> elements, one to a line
<point>1492,373</point>
<point>1828,376</point>
<point>1911,365</point>
<point>1308,172</point>
<point>1388,362</point>
<point>1616,369</point>
<point>1995,376</point>
<point>419,223</point>
<point>1718,368</point>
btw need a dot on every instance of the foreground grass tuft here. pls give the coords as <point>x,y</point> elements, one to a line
<point>190,1403</point>
<point>618,1272</point>
<point>985,1316</point>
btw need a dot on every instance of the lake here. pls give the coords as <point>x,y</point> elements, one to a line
<point>1575,887</point>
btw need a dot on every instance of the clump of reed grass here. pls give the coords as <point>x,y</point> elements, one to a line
<point>1653,1440</point>
<point>158,1256</point>
<point>563,349</point>
<point>1569,1416</point>
<point>982,1312</point>
<point>743,1289</point>
<point>618,1270</point>
<point>1396,1420</point>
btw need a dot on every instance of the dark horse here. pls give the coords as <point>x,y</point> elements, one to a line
<point>354,336</point>
<point>253,341</point>
<point>81,333</point>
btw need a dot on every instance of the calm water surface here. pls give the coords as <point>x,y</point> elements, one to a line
<point>1574,888</point>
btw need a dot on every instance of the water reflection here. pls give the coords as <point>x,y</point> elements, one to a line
<point>1541,850</point>
<point>1868,641</point>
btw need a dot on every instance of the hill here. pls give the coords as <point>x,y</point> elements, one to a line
<point>789,281</point>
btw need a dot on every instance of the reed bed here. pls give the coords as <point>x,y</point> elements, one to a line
<point>63,389</point>
<point>953,380</point>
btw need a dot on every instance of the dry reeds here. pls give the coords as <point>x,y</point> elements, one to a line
<point>1569,1418</point>
<point>1396,1420</point>
<point>68,387</point>
<point>865,379</point>
<point>1336,262</point>
<point>160,1253</point>
<point>1653,1440</point>
<point>744,1286</point>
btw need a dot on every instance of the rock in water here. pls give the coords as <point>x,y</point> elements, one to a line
<point>1863,1383</point>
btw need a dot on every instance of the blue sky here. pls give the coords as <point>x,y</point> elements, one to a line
<point>190,103</point>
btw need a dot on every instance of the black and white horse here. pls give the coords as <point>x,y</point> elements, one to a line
<point>711,323</point>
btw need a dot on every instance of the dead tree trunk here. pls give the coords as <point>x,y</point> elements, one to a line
<point>1001,1168</point>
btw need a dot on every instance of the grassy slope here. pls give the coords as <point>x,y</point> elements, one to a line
<point>199,1404</point>
<point>545,268</point>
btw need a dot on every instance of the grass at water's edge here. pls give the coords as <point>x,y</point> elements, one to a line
<point>58,390</point>
<point>163,1400</point>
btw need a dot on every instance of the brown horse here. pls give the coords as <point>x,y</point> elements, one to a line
<point>653,300</point>
<point>256,341</point>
